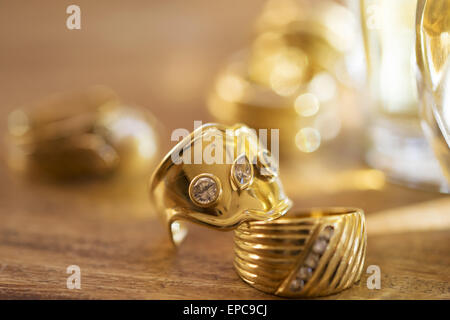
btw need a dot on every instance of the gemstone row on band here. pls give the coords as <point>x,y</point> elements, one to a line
<point>306,270</point>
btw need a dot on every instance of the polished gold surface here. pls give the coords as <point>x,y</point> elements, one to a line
<point>84,134</point>
<point>304,253</point>
<point>239,183</point>
<point>432,56</point>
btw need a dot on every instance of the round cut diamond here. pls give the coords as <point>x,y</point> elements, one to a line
<point>297,284</point>
<point>327,232</point>
<point>312,260</point>
<point>242,171</point>
<point>305,273</point>
<point>205,190</point>
<point>320,246</point>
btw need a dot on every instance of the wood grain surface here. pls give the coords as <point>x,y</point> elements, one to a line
<point>163,55</point>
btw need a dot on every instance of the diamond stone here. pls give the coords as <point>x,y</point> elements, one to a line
<point>305,273</point>
<point>205,190</point>
<point>312,260</point>
<point>320,246</point>
<point>297,284</point>
<point>242,170</point>
<point>327,232</point>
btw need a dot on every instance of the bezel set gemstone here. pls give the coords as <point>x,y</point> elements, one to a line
<point>297,284</point>
<point>305,273</point>
<point>312,260</point>
<point>320,246</point>
<point>242,172</point>
<point>204,190</point>
<point>327,232</point>
<point>306,270</point>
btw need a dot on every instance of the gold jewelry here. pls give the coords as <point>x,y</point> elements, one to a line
<point>303,254</point>
<point>89,133</point>
<point>217,176</point>
<point>292,77</point>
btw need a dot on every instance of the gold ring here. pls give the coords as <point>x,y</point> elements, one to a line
<point>217,176</point>
<point>303,254</point>
<point>82,134</point>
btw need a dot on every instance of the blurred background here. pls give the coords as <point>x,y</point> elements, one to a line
<point>336,77</point>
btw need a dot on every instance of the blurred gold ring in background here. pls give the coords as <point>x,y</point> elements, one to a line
<point>293,77</point>
<point>237,99</point>
<point>82,134</point>
<point>303,254</point>
<point>222,194</point>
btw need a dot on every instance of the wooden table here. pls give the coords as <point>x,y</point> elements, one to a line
<point>162,55</point>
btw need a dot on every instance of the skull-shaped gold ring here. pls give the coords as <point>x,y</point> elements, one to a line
<point>217,176</point>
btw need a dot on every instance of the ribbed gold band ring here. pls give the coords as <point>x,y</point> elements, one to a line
<point>303,254</point>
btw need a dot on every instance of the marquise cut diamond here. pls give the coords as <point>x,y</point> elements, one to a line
<point>242,170</point>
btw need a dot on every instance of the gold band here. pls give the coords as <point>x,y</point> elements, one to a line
<point>302,254</point>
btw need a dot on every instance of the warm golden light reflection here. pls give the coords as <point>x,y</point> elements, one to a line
<point>323,86</point>
<point>329,124</point>
<point>127,123</point>
<point>308,139</point>
<point>230,87</point>
<point>390,43</point>
<point>262,58</point>
<point>107,154</point>
<point>18,123</point>
<point>328,19</point>
<point>314,179</point>
<point>369,179</point>
<point>178,232</point>
<point>342,25</point>
<point>284,69</point>
<point>290,77</point>
<point>285,77</point>
<point>306,104</point>
<point>280,12</point>
<point>268,43</point>
<point>426,216</point>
